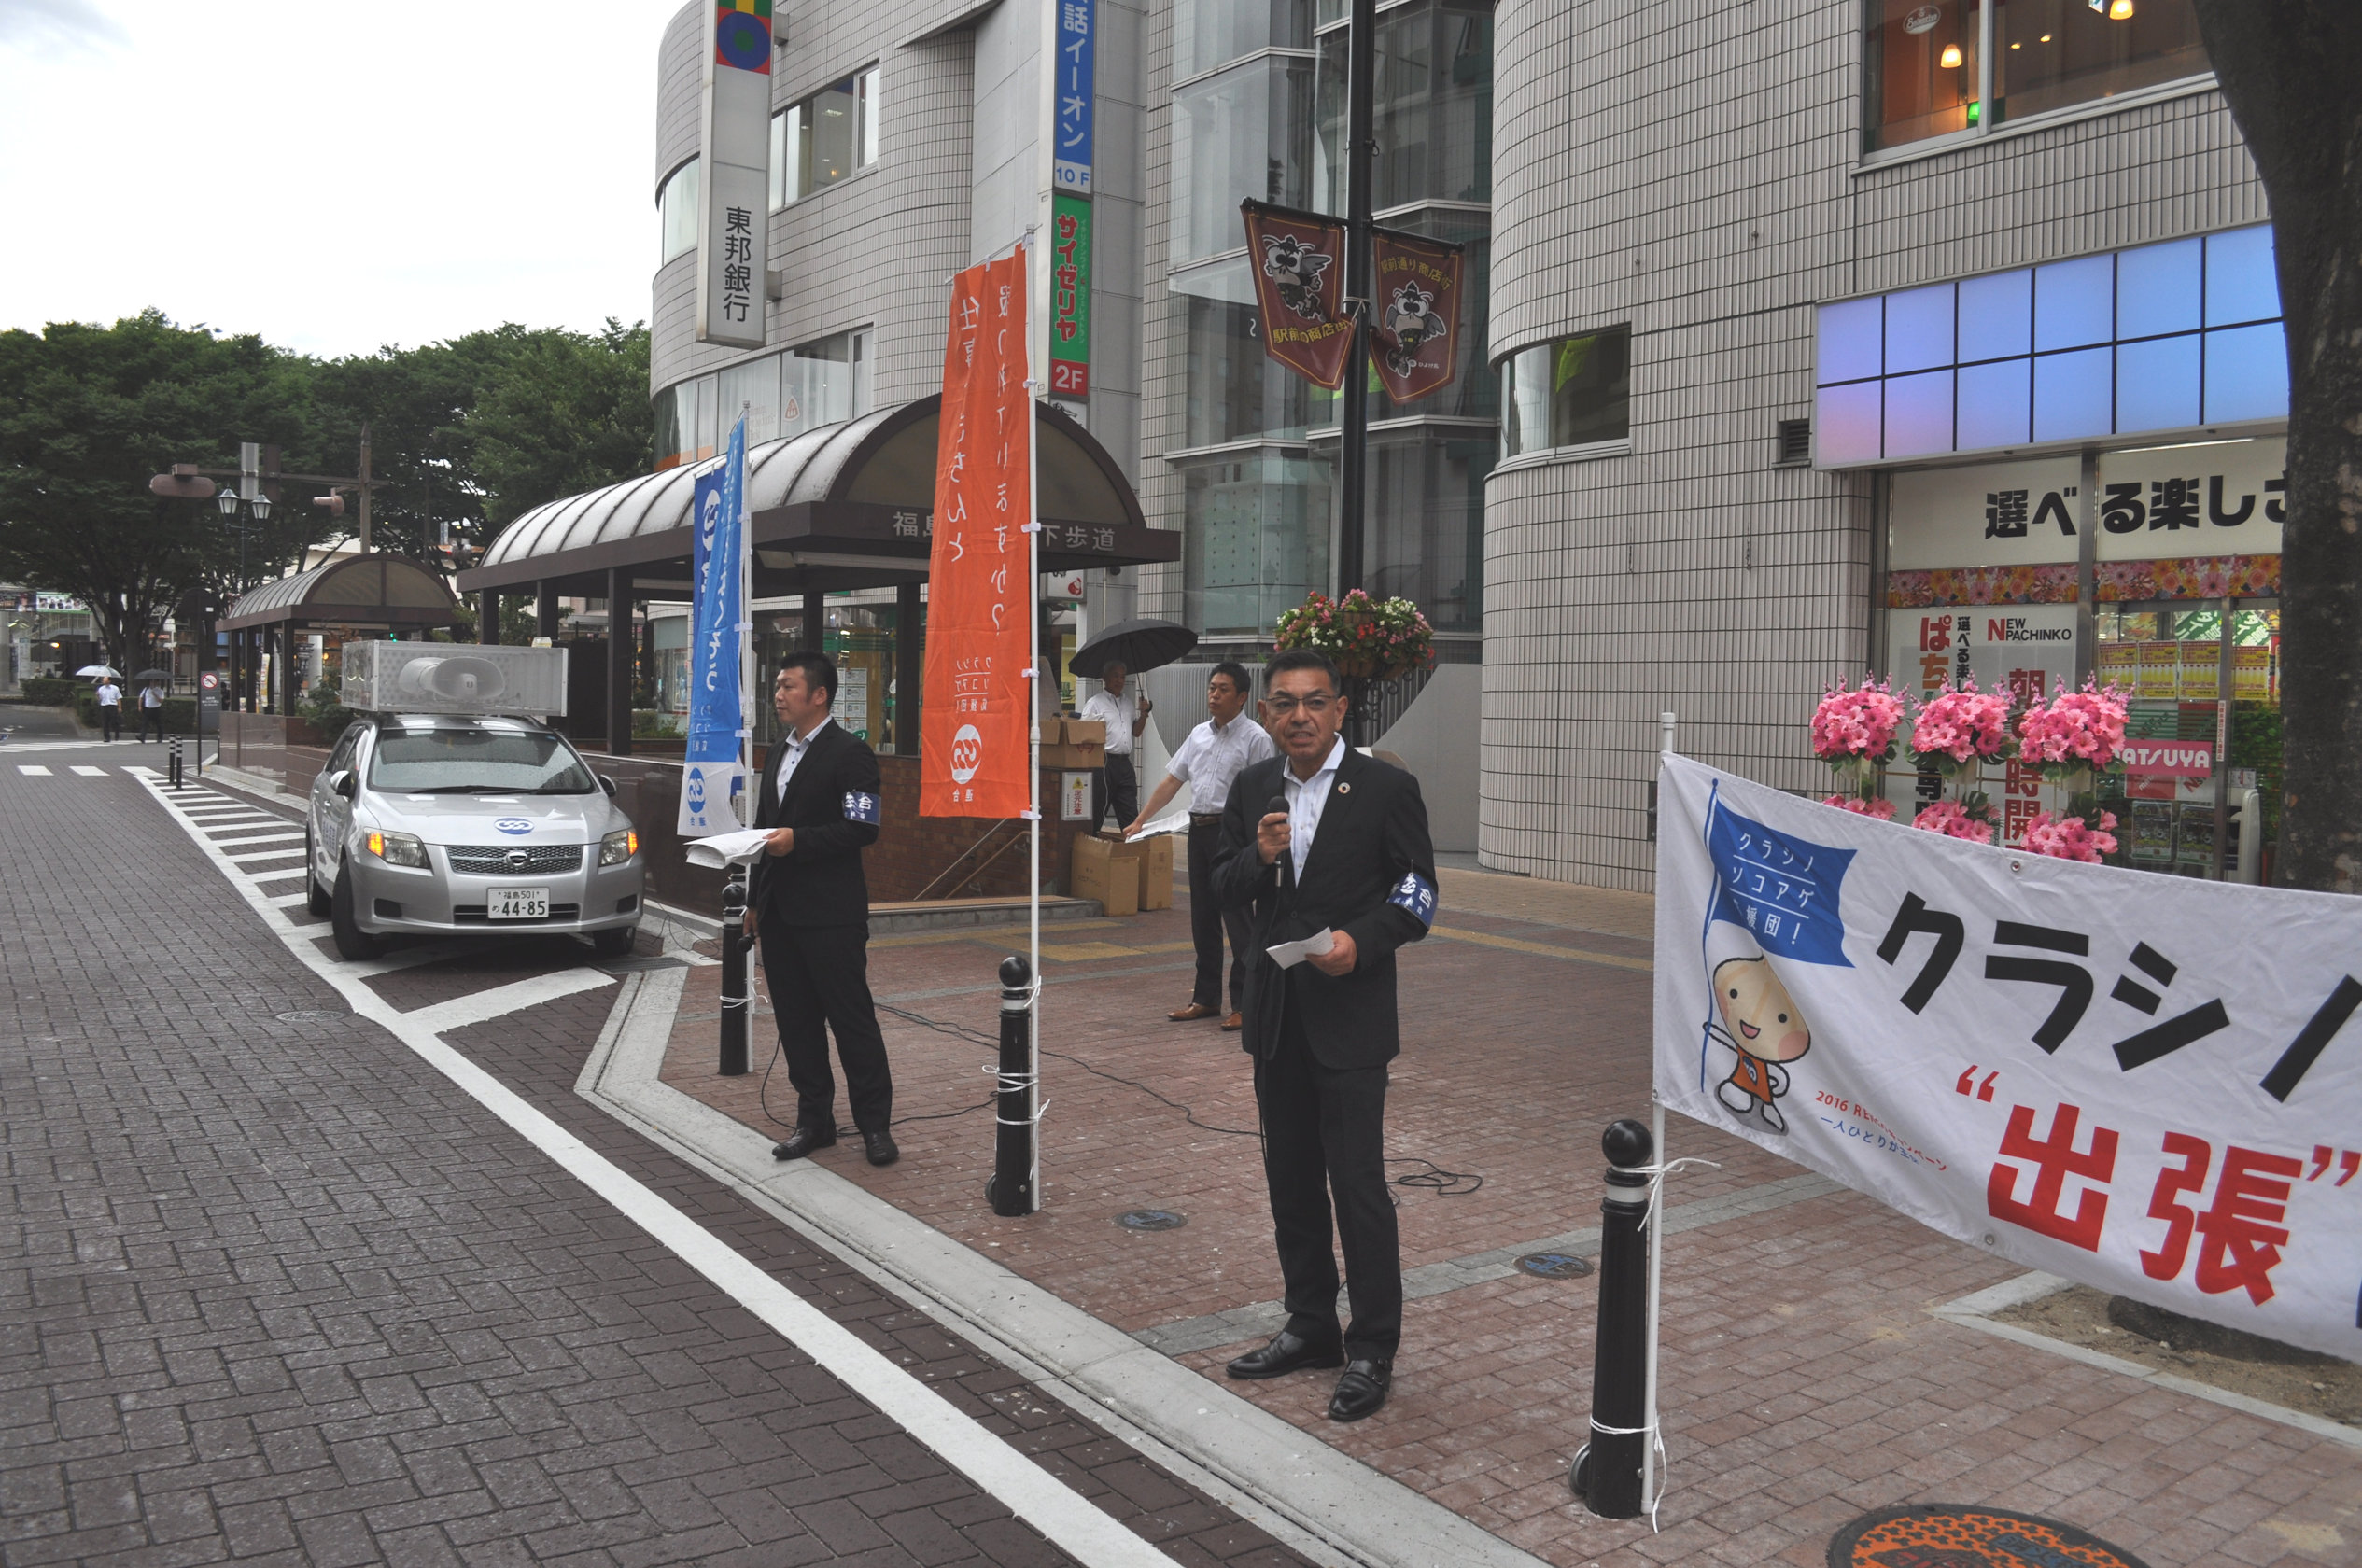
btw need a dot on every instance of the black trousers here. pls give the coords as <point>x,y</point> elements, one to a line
<point>110,720</point>
<point>1209,922</point>
<point>1323,1138</point>
<point>819,981</point>
<point>1117,786</point>
<point>152,718</point>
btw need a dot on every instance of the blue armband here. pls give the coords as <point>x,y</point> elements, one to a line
<point>1415,895</point>
<point>860,807</point>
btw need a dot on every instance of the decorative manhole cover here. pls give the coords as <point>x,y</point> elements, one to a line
<point>1151,1219</point>
<point>1945,1535</point>
<point>312,1017</point>
<point>1554,1265</point>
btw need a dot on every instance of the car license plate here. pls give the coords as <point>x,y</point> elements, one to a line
<point>519,903</point>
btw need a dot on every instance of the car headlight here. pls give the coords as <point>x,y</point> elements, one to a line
<point>400,849</point>
<point>618,846</point>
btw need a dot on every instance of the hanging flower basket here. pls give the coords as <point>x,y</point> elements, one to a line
<point>1367,638</point>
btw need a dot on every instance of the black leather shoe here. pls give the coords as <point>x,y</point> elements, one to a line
<point>1361,1389</point>
<point>880,1147</point>
<point>1284,1354</point>
<point>802,1142</point>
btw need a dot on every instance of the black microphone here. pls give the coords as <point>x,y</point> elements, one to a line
<point>1287,866</point>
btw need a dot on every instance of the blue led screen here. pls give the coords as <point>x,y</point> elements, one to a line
<point>2162,336</point>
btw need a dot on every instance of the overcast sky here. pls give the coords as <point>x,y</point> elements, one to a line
<point>335,178</point>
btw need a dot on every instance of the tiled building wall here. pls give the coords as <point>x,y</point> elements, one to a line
<point>1163,317</point>
<point>1699,178</point>
<point>877,248</point>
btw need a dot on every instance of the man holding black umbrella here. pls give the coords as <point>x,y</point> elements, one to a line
<point>1126,714</point>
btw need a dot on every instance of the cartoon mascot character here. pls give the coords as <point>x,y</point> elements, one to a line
<point>1412,322</point>
<point>1762,1023</point>
<point>1297,269</point>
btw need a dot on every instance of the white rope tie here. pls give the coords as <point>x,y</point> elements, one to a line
<point>1657,1175</point>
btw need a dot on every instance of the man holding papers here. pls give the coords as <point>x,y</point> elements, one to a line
<point>1207,762</point>
<point>1323,840</point>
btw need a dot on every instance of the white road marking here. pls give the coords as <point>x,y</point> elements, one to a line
<point>1071,1522</point>
<point>279,838</point>
<point>89,772</point>
<point>480,1006</point>
<point>34,769</point>
<point>286,901</point>
<point>296,853</point>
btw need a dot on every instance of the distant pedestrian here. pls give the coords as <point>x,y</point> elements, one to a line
<point>151,712</point>
<point>1209,758</point>
<point>110,708</point>
<point>1125,714</point>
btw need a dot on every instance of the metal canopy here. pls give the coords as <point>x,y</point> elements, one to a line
<point>843,506</point>
<point>371,590</point>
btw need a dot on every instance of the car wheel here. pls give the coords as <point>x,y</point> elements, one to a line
<point>614,942</point>
<point>314,899</point>
<point>351,940</point>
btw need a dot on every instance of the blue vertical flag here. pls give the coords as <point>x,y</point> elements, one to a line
<point>1077,43</point>
<point>714,761</point>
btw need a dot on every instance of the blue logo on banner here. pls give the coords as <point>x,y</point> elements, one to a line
<point>1417,895</point>
<point>1782,888</point>
<point>514,825</point>
<point>860,807</point>
<point>718,509</point>
<point>1078,42</point>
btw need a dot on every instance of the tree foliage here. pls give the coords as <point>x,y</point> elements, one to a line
<point>2288,69</point>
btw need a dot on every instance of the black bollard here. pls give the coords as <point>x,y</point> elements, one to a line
<point>738,999</point>
<point>1011,1188</point>
<point>1606,1472</point>
<point>173,767</point>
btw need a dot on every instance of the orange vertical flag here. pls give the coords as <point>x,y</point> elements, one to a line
<point>975,754</point>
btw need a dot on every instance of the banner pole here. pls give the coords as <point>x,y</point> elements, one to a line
<point>1033,769</point>
<point>1649,1476</point>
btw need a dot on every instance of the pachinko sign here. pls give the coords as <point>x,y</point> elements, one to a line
<point>2152,1086</point>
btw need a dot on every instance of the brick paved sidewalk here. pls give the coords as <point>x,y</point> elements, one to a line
<point>277,1291</point>
<point>1805,1381</point>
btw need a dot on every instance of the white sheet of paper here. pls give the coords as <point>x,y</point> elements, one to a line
<point>1289,954</point>
<point>727,848</point>
<point>1171,822</point>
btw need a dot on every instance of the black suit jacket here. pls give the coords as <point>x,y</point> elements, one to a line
<point>1370,860</point>
<point>833,803</point>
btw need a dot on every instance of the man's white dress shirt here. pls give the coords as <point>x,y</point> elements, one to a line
<point>1212,755</point>
<point>796,747</point>
<point>1306,799</point>
<point>1118,714</point>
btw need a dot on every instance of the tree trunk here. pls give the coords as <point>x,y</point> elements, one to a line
<point>2289,70</point>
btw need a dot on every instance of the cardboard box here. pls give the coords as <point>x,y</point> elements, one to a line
<point>1106,870</point>
<point>1156,873</point>
<point>1073,743</point>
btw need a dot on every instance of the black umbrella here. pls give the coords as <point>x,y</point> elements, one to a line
<point>153,675</point>
<point>1136,645</point>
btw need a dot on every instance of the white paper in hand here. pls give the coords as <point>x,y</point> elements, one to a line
<point>1289,954</point>
<point>1171,822</point>
<point>728,848</point>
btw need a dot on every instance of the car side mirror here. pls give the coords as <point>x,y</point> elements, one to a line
<point>342,783</point>
<point>606,783</point>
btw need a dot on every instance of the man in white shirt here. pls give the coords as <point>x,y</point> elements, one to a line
<point>110,708</point>
<point>1126,714</point>
<point>1207,762</point>
<point>151,712</point>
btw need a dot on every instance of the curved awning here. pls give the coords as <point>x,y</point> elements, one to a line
<point>370,591</point>
<point>843,506</point>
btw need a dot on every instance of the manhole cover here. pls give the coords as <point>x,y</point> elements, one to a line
<point>1945,1535</point>
<point>1151,1219</point>
<point>1554,1265</point>
<point>312,1017</point>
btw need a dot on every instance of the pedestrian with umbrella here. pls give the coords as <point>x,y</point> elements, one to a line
<point>151,703</point>
<point>1113,657</point>
<point>110,701</point>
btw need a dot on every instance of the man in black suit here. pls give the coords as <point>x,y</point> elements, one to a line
<point>1322,837</point>
<point>808,906</point>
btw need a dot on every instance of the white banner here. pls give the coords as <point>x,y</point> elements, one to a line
<point>2149,1085</point>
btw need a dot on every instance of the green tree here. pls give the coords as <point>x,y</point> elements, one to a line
<point>569,412</point>
<point>88,415</point>
<point>2288,70</point>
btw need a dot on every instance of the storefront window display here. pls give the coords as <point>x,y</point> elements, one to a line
<point>861,638</point>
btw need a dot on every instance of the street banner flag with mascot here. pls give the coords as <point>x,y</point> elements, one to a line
<point>1415,337</point>
<point>975,725</point>
<point>713,762</point>
<point>2148,1084</point>
<point>1299,259</point>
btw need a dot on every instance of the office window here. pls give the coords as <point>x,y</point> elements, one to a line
<point>1919,62</point>
<point>677,212</point>
<point>826,382</point>
<point>1246,132</point>
<point>1255,539</point>
<point>1433,113</point>
<point>825,137</point>
<point>1211,32</point>
<point>2054,55</point>
<point>1426,520</point>
<point>1236,390</point>
<point>1573,392</point>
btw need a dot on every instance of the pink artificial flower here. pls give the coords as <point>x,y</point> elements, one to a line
<point>2071,838</point>
<point>1883,810</point>
<point>1948,818</point>
<point>2078,730</point>
<point>1962,723</point>
<point>1852,724</point>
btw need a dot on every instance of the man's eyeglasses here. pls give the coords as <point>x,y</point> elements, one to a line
<point>1282,705</point>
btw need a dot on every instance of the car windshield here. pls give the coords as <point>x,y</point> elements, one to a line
<point>456,762</point>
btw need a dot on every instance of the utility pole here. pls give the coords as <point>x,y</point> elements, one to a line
<point>1362,54</point>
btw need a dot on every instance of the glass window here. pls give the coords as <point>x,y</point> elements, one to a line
<point>787,155</point>
<point>2156,289</point>
<point>1211,32</point>
<point>2156,384</point>
<point>825,138</point>
<point>2241,282</point>
<point>1997,315</point>
<point>1919,328</point>
<point>866,143</point>
<point>1256,540</point>
<point>1569,393</point>
<point>475,761</point>
<point>1247,132</point>
<point>753,386</point>
<point>1426,522</point>
<point>824,383</point>
<point>677,212</point>
<point>667,441</point>
<point>1996,403</point>
<point>2052,54</point>
<point>1433,114</point>
<point>2247,373</point>
<point>2074,302</point>
<point>1919,414</point>
<point>1236,390</point>
<point>1919,57</point>
<point>2072,395</point>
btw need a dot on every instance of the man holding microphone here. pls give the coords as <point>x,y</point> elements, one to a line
<point>1207,762</point>
<point>1328,845</point>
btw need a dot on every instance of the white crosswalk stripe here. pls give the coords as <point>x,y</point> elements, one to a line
<point>89,772</point>
<point>35,769</point>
